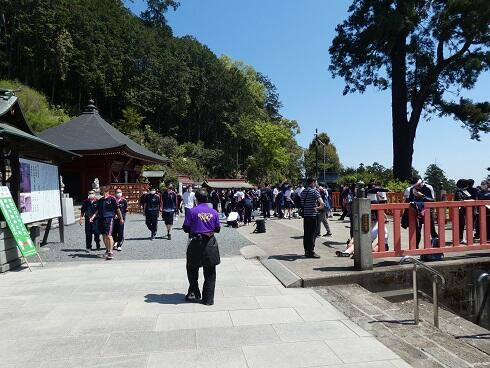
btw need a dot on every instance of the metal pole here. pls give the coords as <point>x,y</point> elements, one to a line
<point>316,153</point>
<point>324,180</point>
<point>435,301</point>
<point>415,296</point>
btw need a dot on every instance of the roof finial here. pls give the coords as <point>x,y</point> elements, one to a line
<point>91,108</point>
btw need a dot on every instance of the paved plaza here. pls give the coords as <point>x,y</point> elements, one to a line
<point>133,314</point>
<point>82,311</point>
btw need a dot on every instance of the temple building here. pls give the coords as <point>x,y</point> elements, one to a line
<point>105,154</point>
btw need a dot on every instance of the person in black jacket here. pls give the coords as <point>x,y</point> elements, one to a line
<point>89,206</point>
<point>151,208</point>
<point>462,194</point>
<point>118,229</point>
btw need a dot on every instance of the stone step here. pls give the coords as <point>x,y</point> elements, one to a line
<point>422,345</point>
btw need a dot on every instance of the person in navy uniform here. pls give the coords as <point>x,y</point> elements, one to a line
<point>169,208</point>
<point>201,223</point>
<point>151,209</point>
<point>89,206</point>
<point>118,229</point>
<point>107,209</point>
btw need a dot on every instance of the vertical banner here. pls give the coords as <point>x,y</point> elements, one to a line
<point>39,191</point>
<point>15,223</point>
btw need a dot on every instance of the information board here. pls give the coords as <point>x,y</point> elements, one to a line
<point>39,191</point>
<point>15,224</point>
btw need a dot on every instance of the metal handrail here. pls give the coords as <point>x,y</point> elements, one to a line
<point>435,300</point>
<point>480,279</point>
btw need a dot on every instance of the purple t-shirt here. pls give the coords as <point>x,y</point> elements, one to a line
<point>202,219</point>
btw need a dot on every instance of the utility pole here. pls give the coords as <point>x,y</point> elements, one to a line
<point>316,153</point>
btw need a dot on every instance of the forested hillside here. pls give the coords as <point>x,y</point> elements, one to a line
<point>211,115</point>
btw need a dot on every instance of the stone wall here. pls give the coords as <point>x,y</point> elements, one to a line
<point>10,256</point>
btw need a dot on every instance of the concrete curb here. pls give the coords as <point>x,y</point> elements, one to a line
<point>252,251</point>
<point>287,277</point>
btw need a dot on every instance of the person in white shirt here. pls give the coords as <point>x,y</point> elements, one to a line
<point>188,199</point>
<point>239,195</point>
<point>288,202</point>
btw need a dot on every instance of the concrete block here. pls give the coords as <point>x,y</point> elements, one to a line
<point>287,277</point>
<point>284,301</point>
<point>297,354</point>
<point>11,265</point>
<point>147,342</point>
<point>224,337</point>
<point>10,255</point>
<point>362,349</point>
<point>185,321</point>
<point>264,316</point>
<point>252,251</point>
<point>324,330</point>
<point>209,358</point>
<point>68,212</point>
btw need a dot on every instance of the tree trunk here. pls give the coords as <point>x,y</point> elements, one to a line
<point>402,137</point>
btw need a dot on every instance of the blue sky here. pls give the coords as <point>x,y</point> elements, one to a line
<point>288,40</point>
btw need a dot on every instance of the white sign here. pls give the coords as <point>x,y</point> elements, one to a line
<point>39,191</point>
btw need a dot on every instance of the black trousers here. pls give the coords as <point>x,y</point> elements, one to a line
<point>266,211</point>
<point>91,228</point>
<point>248,215</point>
<point>118,232</point>
<point>209,282</point>
<point>309,236</point>
<point>152,221</point>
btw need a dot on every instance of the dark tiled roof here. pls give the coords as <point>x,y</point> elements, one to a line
<point>89,132</point>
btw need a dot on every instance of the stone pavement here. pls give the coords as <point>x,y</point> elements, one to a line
<point>283,241</point>
<point>132,314</point>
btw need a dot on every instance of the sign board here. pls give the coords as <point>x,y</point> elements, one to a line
<point>15,224</point>
<point>39,191</point>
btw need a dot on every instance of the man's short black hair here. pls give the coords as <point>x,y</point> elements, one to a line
<point>310,181</point>
<point>202,196</point>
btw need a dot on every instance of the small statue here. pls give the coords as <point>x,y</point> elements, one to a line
<point>96,187</point>
<point>62,185</point>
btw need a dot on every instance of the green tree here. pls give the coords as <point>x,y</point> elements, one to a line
<point>419,49</point>
<point>436,177</point>
<point>332,162</point>
<point>38,112</point>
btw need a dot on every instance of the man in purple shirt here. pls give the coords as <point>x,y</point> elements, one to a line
<point>201,223</point>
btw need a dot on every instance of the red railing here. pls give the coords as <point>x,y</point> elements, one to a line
<point>409,246</point>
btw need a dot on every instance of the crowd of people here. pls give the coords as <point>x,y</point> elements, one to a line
<point>418,193</point>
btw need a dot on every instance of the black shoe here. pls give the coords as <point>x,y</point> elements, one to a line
<point>207,303</point>
<point>328,234</point>
<point>88,248</point>
<point>192,297</point>
<point>169,236</point>
<point>339,253</point>
<point>312,255</point>
<point>152,237</point>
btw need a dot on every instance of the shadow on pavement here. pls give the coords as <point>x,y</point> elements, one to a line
<point>288,257</point>
<point>335,268</point>
<point>84,255</point>
<point>175,298</point>
<point>297,237</point>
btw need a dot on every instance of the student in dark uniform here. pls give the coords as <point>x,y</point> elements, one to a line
<point>151,209</point>
<point>201,223</point>
<point>118,229</point>
<point>107,209</point>
<point>89,206</point>
<point>169,208</point>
